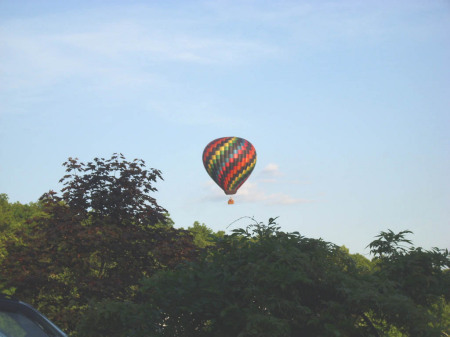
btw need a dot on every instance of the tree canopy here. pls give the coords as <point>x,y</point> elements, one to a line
<point>94,242</point>
<point>204,236</point>
<point>261,281</point>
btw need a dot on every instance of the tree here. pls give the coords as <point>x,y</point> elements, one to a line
<point>96,241</point>
<point>204,236</point>
<point>417,276</point>
<point>12,216</point>
<point>261,281</point>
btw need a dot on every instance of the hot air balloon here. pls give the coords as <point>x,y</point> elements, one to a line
<point>229,161</point>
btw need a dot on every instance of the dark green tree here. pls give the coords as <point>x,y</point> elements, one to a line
<point>417,277</point>
<point>261,281</point>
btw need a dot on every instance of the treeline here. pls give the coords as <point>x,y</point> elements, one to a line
<point>103,258</point>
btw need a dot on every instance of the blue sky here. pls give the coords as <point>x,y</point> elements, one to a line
<point>346,102</point>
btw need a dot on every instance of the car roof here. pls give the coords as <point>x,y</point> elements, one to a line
<point>10,304</point>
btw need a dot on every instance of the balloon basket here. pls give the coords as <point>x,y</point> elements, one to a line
<point>230,201</point>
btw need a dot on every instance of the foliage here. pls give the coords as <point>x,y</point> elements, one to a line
<point>95,242</point>
<point>417,276</point>
<point>105,260</point>
<point>261,281</point>
<point>389,244</point>
<point>204,236</point>
<point>113,190</point>
<point>12,216</point>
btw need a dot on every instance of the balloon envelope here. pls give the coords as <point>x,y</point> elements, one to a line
<point>229,161</point>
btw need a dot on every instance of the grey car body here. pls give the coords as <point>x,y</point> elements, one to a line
<point>18,318</point>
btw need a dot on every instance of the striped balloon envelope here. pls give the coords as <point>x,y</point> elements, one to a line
<point>229,161</point>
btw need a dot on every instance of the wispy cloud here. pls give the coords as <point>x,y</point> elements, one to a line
<point>129,42</point>
<point>121,58</point>
<point>125,37</point>
<point>255,191</point>
<point>252,192</point>
<point>132,50</point>
<point>272,173</point>
<point>33,57</point>
<point>316,23</point>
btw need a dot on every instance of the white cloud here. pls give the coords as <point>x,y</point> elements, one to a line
<point>271,173</point>
<point>271,170</point>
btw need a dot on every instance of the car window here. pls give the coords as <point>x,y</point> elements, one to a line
<point>14,324</point>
